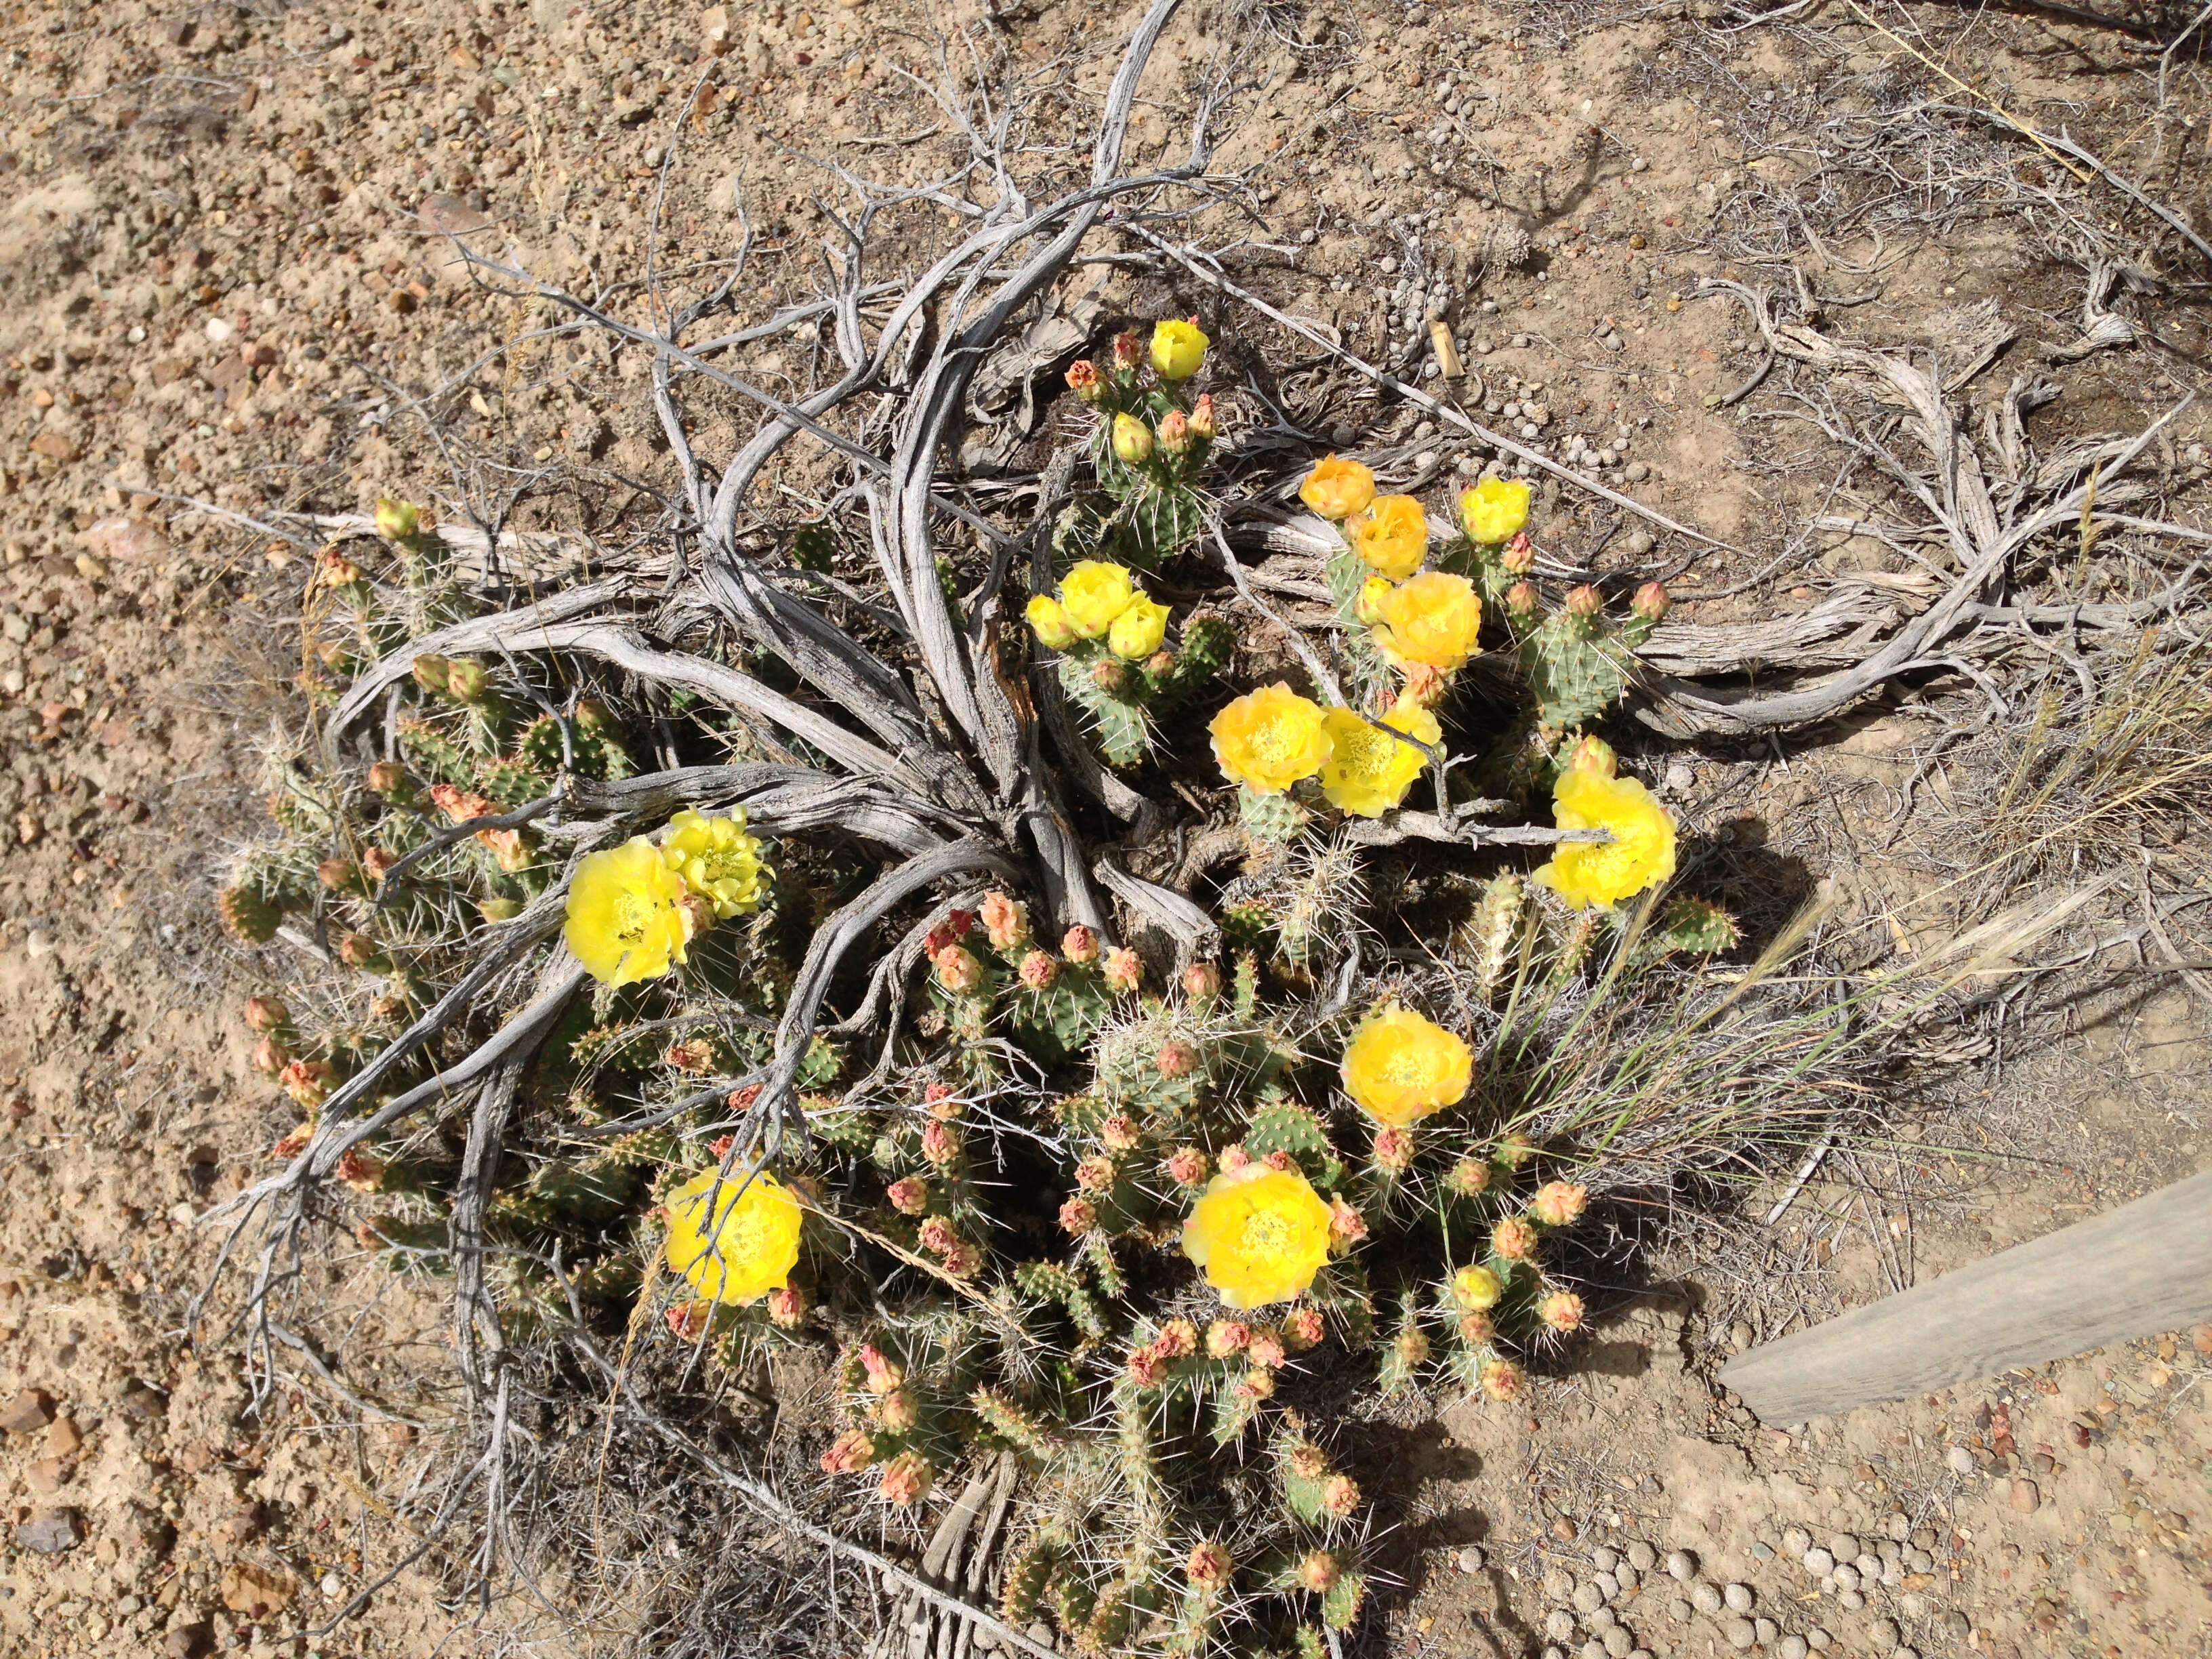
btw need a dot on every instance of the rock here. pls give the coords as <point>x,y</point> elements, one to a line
<point>1956,1625</point>
<point>1850,1600</point>
<point>1795,1540</point>
<point>1558,1584</point>
<point>1738,1597</point>
<point>1898,1526</point>
<point>1819,1639</point>
<point>1791,1647</point>
<point>1843,1546</point>
<point>1679,1609</point>
<point>1589,1598</point>
<point>1705,1598</point>
<point>1607,1586</point>
<point>49,1532</point>
<point>1767,1629</point>
<point>1819,1562</point>
<point>1847,1577</point>
<point>1882,1635</point>
<point>1605,1559</point>
<point>186,1642</point>
<point>133,540</point>
<point>62,1437</point>
<point>1599,1621</point>
<point>2027,1496</point>
<point>1641,1556</point>
<point>255,1591</point>
<point>1739,1336</point>
<point>1681,1565</point>
<point>1636,472</point>
<point>55,447</point>
<point>1959,1460</point>
<point>449,216</point>
<point>1641,543</point>
<point>27,1412</point>
<point>1742,1633</point>
<point>1619,1644</point>
<point>47,1476</point>
<point>1558,1624</point>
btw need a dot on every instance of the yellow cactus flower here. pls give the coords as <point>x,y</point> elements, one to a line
<point>1049,623</point>
<point>1369,771</point>
<point>746,1247</point>
<point>1495,510</point>
<point>1133,439</point>
<point>1392,536</point>
<point>1368,607</point>
<point>1259,1234</point>
<point>1138,631</point>
<point>626,917</point>
<point>1640,855</point>
<point>1400,1067</point>
<point>1093,594</point>
<point>1268,739</point>
<point>717,860</point>
<point>1432,621</point>
<point>1337,488</point>
<point>1178,348</point>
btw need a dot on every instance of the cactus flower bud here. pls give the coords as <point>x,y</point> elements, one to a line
<point>1175,432</point>
<point>688,1320</point>
<point>1345,1224</point>
<point>430,671</point>
<point>1339,1496</point>
<point>1590,754</point>
<point>1208,1567</point>
<point>957,969</point>
<point>378,863</point>
<point>1129,350</point>
<point>1559,1203</point>
<point>1225,1337</point>
<point>499,909</point>
<point>1584,602</point>
<point>1083,380</point>
<point>465,680</point>
<point>1038,971</point>
<point>898,1411</point>
<point>270,1057</point>
<point>1470,1178</point>
<point>1005,922</point>
<point>334,569</point>
<point>1519,557</point>
<point>852,1452</point>
<point>339,875</point>
<point>362,1171</point>
<point>360,951</point>
<point>1111,675</point>
<point>951,931</point>
<point>1133,439</point>
<point>1234,1158</point>
<point>266,1013</point>
<point>909,1196</point>
<point>295,1141</point>
<point>1503,1380</point>
<point>1561,1311</point>
<point>1146,1368</point>
<point>1176,1059</point>
<point>1522,605</point>
<point>1187,1167</point>
<point>1516,1150</point>
<point>962,1259</point>
<point>1048,620</point>
<point>1477,1288</point>
<point>1160,665</point>
<point>1079,944</point>
<point>940,1142</point>
<point>397,520</point>
<point>1178,1340</point>
<point>1078,1216</point>
<point>1122,969</point>
<point>1513,1239</point>
<point>1266,1348</point>
<point>1412,1346</point>
<point>883,1373</point>
<point>1202,426</point>
<point>905,1479</point>
<point>1094,1174</point>
<point>1119,1132</point>
<point>308,1082</point>
<point>1477,1328</point>
<point>786,1308</point>
<point>1201,982</point>
<point>1319,1571</point>
<point>1253,1385</point>
<point>1367,606</point>
<point>1650,602</point>
<point>1302,1329</point>
<point>1278,1159</point>
<point>1394,1149</point>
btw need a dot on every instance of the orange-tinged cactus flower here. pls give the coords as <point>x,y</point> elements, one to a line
<point>1208,1567</point>
<point>906,1478</point>
<point>1079,944</point>
<point>1503,1380</point>
<point>1078,1216</point>
<point>1038,971</point>
<point>1561,1311</point>
<point>1122,969</point>
<point>1337,488</point>
<point>1513,1240</point>
<point>1559,1203</point>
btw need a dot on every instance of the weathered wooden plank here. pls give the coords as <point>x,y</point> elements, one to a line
<point>2145,1266</point>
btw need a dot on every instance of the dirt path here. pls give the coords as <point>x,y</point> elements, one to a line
<point>219,250</point>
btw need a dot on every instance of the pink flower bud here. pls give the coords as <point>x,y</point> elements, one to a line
<point>936,1235</point>
<point>1559,1203</point>
<point>905,1479</point>
<point>1176,1059</point>
<point>1202,426</point>
<point>1503,1380</point>
<point>1201,982</point>
<point>1078,1216</point>
<point>957,969</point>
<point>1513,1239</point>
<point>1225,1337</point>
<point>786,1308</point>
<point>1339,1496</point>
<point>688,1320</point>
<point>308,1082</point>
<point>898,1411</point>
<point>266,1013</point>
<point>1178,1340</point>
<point>884,1374</point>
<point>1079,944</point>
<point>1650,602</point>
<point>908,1196</point>
<point>387,778</point>
<point>1519,556</point>
<point>1208,1567</point>
<point>1128,349</point>
<point>1477,1328</point>
<point>1234,1158</point>
<point>1083,379</point>
<point>1122,970</point>
<point>940,1142</point>
<point>1038,971</point>
<point>1005,922</point>
<point>1591,754</point>
<point>1521,602</point>
<point>951,931</point>
<point>1469,1178</point>
<point>1146,1368</point>
<point>1266,1349</point>
<point>1187,1167</point>
<point>1584,602</point>
<point>1319,1571</point>
<point>1302,1329</point>
<point>1562,1311</point>
<point>1394,1149</point>
<point>1094,1174</point>
<point>1118,1133</point>
<point>1345,1224</point>
<point>852,1451</point>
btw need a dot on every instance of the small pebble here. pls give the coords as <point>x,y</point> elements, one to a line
<point>1961,1461</point>
<point>1679,1610</point>
<point>1619,1644</point>
<point>1843,1546</point>
<point>1819,1639</point>
<point>1625,1576</point>
<point>1905,1653</point>
<point>1554,1651</point>
<point>1819,1562</point>
<point>1883,1634</point>
<point>1589,1598</point>
<point>1796,1541</point>
<point>1470,1559</point>
<point>1607,1585</point>
<point>1636,472</point>
<point>1738,1597</point>
<point>1681,1565</point>
<point>1641,1556</point>
<point>1741,1633</point>
<point>1790,1647</point>
<point>1704,1597</point>
<point>1898,1527</point>
<point>1870,1566</point>
<point>1956,1625</point>
<point>1912,1604</point>
<point>1850,1600</point>
<point>1593,1649</point>
<point>1599,1621</point>
<point>1604,1559</point>
<point>1558,1624</point>
<point>1558,1584</point>
<point>2027,1496</point>
<point>1847,1578</point>
<point>1767,1629</point>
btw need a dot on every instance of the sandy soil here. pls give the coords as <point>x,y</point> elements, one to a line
<point>221,253</point>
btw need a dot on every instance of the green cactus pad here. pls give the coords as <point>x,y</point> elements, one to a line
<point>1574,673</point>
<point>1286,1127</point>
<point>1697,927</point>
<point>1276,819</point>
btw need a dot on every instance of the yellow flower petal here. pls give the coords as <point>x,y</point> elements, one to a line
<point>1434,620</point>
<point>1392,536</point>
<point>1138,631</point>
<point>1093,594</point>
<point>717,860</point>
<point>1337,488</point>
<point>1400,1067</point>
<point>1640,856</point>
<point>1368,772</point>
<point>1259,1235</point>
<point>1268,739</point>
<point>748,1244</point>
<point>1178,348</point>
<point>1495,510</point>
<point>625,918</point>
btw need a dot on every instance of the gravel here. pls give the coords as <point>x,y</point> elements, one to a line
<point>1681,1565</point>
<point>1820,1562</point>
<point>1641,1556</point>
<point>1742,1633</point>
<point>1738,1597</point>
<point>1704,1597</point>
